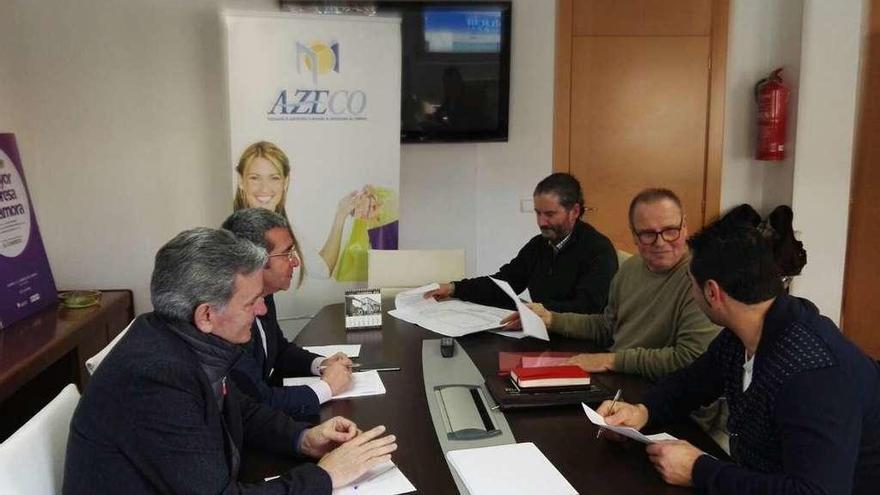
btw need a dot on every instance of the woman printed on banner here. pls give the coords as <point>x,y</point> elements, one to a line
<point>263,180</point>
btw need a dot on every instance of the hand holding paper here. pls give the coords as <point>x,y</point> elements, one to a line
<point>626,431</point>
<point>414,298</point>
<point>532,324</point>
<point>513,321</point>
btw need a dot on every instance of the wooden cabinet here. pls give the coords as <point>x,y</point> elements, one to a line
<point>41,354</point>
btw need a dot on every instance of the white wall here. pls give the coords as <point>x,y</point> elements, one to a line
<point>832,35</point>
<point>120,113</point>
<point>763,35</point>
<point>818,42</point>
<point>468,195</point>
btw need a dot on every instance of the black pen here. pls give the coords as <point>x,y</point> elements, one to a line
<point>610,410</point>
<point>352,365</point>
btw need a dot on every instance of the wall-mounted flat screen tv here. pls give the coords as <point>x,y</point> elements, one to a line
<point>456,70</point>
<point>455,65</point>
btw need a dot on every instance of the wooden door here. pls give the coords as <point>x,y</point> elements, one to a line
<point>639,104</point>
<point>861,313</point>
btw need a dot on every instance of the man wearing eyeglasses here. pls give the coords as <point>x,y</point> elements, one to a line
<point>270,356</point>
<point>651,325</point>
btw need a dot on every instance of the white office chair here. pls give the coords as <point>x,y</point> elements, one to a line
<point>32,459</point>
<point>396,270</point>
<point>93,362</point>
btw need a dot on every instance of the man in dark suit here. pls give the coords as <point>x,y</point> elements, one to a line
<point>269,356</point>
<point>159,416</point>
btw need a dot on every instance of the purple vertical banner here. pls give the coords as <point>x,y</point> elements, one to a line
<point>26,283</point>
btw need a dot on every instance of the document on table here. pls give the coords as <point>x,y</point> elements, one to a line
<point>452,318</point>
<point>526,471</point>
<point>350,350</point>
<point>415,298</point>
<point>384,479</point>
<point>513,334</point>
<point>532,324</point>
<point>363,383</point>
<point>626,431</point>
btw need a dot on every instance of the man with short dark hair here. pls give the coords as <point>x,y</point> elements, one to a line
<point>804,401</point>
<point>269,356</point>
<point>159,415</point>
<point>651,325</point>
<point>568,267</point>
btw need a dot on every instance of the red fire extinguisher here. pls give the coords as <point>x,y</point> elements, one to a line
<point>771,95</point>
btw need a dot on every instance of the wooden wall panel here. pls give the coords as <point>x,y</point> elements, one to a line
<point>615,120</point>
<point>715,127</point>
<point>638,119</point>
<point>861,313</point>
<point>642,17</point>
<point>562,87</point>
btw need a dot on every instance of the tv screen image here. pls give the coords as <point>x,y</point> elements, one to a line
<point>459,30</point>
<point>456,70</point>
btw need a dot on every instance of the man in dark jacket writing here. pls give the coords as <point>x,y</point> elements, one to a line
<point>804,401</point>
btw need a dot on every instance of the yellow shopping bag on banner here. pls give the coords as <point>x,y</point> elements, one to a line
<point>352,266</point>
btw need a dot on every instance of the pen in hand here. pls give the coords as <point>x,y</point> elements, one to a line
<point>610,409</point>
<point>352,365</point>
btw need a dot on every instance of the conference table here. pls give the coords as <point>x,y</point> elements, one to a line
<point>563,433</point>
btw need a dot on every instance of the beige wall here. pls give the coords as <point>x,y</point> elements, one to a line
<point>468,195</point>
<point>832,36</point>
<point>120,111</point>
<point>818,43</point>
<point>763,35</point>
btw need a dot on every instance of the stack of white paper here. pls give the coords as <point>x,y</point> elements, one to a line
<point>626,431</point>
<point>526,471</point>
<point>384,479</point>
<point>350,350</point>
<point>362,384</point>
<point>452,318</point>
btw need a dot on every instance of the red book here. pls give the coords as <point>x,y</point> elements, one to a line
<point>550,376</point>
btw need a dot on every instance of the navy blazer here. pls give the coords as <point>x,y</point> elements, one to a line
<point>259,373</point>
<point>809,421</point>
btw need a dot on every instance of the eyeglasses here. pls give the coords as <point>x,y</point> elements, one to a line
<point>669,234</point>
<point>291,254</point>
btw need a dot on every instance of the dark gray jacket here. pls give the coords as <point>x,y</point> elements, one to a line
<point>159,416</point>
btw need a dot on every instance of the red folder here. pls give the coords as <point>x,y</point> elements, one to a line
<point>550,376</point>
<point>510,360</point>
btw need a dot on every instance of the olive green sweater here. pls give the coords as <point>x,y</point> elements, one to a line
<point>651,323</point>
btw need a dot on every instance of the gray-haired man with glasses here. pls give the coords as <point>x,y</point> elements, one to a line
<point>651,325</point>
<point>269,356</point>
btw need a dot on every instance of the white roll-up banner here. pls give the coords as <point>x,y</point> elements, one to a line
<point>314,112</point>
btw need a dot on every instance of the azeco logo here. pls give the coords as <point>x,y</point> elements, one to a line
<point>318,59</point>
<point>342,104</point>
